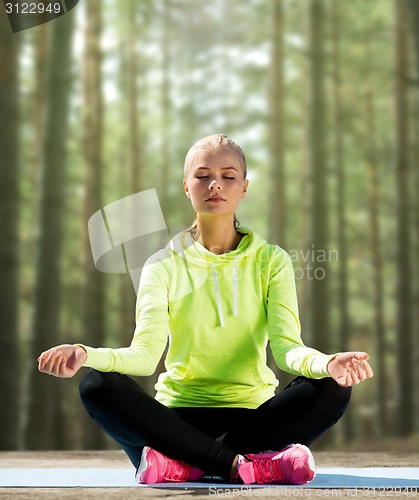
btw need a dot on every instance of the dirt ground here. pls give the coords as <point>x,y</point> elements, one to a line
<point>118,459</point>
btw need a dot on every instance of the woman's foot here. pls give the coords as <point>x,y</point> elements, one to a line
<point>293,465</point>
<point>157,468</point>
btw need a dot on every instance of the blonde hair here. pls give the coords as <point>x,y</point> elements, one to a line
<point>212,143</point>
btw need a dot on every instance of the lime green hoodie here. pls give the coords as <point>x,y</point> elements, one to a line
<point>218,312</point>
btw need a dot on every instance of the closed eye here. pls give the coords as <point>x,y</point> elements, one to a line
<point>207,177</point>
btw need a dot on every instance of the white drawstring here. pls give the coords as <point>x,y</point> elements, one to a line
<point>217,292</point>
<point>218,295</point>
<point>236,305</point>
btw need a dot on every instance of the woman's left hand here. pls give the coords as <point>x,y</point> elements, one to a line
<point>350,368</point>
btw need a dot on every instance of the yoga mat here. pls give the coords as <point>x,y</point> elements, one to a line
<point>371,477</point>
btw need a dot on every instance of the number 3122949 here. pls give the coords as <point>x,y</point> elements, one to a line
<point>33,8</point>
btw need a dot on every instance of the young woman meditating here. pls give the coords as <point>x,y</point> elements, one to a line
<point>217,293</point>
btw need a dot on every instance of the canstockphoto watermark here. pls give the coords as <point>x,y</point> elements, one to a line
<point>311,263</point>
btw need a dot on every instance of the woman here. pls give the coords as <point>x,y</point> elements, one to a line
<point>218,292</point>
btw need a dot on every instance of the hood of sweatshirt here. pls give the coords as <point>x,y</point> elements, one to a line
<point>195,254</point>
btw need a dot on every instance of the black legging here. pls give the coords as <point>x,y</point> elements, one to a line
<point>210,438</point>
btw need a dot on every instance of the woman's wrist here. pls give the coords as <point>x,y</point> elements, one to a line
<point>83,350</point>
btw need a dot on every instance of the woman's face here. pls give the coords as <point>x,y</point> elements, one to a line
<point>215,182</point>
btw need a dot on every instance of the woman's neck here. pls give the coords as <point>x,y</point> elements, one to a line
<point>217,235</point>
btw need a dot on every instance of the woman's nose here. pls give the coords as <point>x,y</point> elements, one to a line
<point>214,184</point>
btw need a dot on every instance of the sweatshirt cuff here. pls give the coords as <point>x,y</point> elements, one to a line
<point>95,358</point>
<point>322,364</point>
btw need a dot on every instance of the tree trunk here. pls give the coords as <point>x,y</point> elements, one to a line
<point>379,325</point>
<point>39,97</point>
<point>126,316</point>
<point>319,222</point>
<point>190,115</point>
<point>43,405</point>
<point>166,111</point>
<point>9,213</point>
<point>413,14</point>
<point>277,219</point>
<point>277,225</point>
<point>344,326</point>
<point>405,346</point>
<point>133,118</point>
<point>415,227</point>
<point>94,315</point>
<point>304,232</point>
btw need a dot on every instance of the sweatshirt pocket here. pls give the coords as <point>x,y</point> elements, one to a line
<point>219,369</point>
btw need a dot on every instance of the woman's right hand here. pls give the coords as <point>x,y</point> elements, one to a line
<point>62,361</point>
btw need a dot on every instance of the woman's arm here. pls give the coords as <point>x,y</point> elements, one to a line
<point>284,330</point>
<point>147,346</point>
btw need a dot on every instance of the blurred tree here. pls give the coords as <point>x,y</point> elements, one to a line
<point>319,222</point>
<point>277,199</point>
<point>413,14</point>
<point>413,11</point>
<point>341,197</point>
<point>304,189</point>
<point>9,251</point>
<point>405,345</point>
<point>41,431</point>
<point>135,143</point>
<point>41,52</point>
<point>191,30</point>
<point>127,158</point>
<point>277,206</point>
<point>94,302</point>
<point>135,24</point>
<point>379,326</point>
<point>165,167</point>
<point>165,107</point>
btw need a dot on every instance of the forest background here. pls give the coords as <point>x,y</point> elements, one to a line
<point>104,102</point>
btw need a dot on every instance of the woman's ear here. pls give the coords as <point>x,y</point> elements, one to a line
<point>185,187</point>
<point>245,186</point>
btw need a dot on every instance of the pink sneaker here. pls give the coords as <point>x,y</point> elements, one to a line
<point>293,465</point>
<point>157,468</point>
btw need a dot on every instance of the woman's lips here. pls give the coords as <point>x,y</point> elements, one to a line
<point>215,200</point>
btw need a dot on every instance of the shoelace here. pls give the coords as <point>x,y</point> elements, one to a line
<point>174,471</point>
<point>267,470</point>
